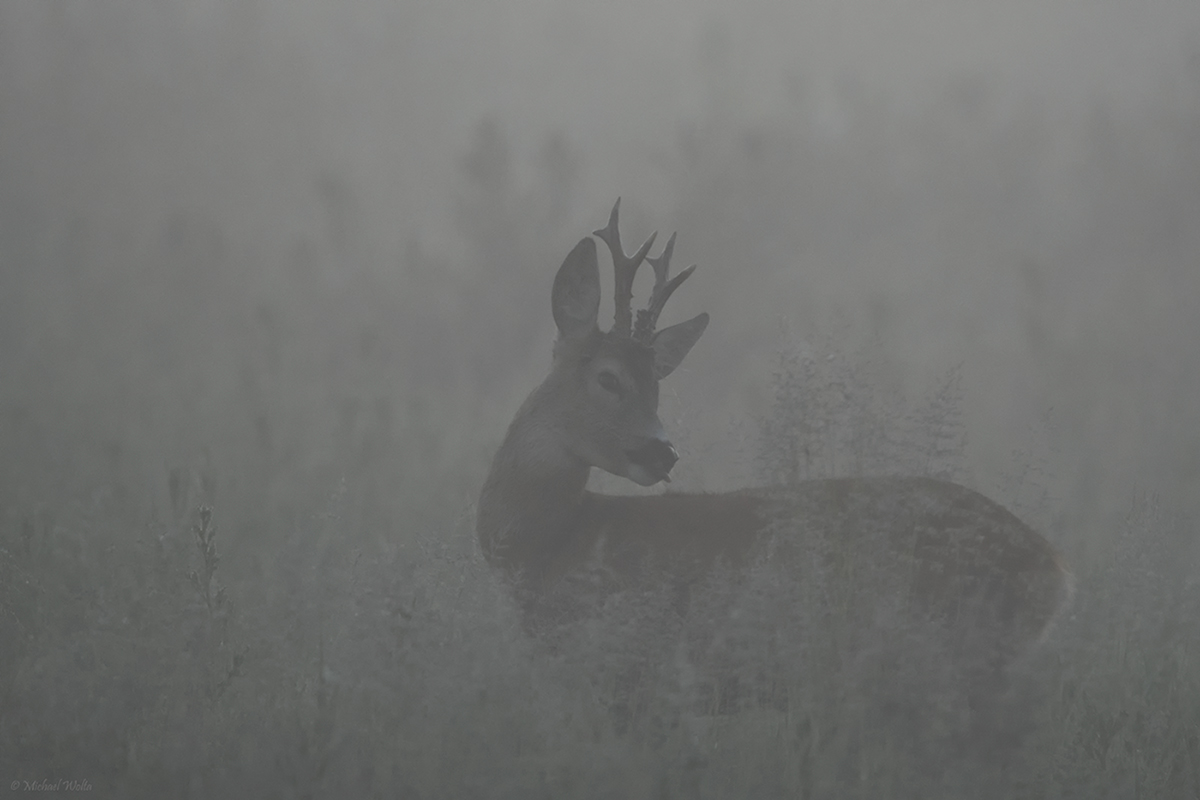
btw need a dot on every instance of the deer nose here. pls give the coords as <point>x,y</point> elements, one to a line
<point>657,455</point>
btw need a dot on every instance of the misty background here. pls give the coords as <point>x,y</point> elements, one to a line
<point>1010,188</point>
<point>293,261</point>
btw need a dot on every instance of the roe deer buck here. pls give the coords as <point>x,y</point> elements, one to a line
<point>949,547</point>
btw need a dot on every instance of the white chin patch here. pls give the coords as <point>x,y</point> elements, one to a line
<point>641,476</point>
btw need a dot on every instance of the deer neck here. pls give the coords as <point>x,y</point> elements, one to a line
<point>532,494</point>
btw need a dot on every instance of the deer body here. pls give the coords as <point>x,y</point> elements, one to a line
<point>948,547</point>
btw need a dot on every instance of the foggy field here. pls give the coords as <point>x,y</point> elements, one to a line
<point>275,277</point>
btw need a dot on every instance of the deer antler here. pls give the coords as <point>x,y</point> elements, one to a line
<point>624,268</point>
<point>664,287</point>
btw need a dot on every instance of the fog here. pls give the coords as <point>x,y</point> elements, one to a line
<point>292,262</point>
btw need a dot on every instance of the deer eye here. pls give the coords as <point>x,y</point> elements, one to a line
<point>609,383</point>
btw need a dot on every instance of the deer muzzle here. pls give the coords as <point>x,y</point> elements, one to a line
<point>656,458</point>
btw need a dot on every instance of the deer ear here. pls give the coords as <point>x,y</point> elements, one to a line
<point>673,343</point>
<point>575,300</point>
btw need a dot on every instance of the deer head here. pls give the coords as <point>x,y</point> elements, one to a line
<point>604,397</point>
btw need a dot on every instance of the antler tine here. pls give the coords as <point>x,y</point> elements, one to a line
<point>624,269</point>
<point>664,287</point>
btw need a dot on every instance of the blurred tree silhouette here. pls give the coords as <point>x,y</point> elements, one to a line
<point>515,231</point>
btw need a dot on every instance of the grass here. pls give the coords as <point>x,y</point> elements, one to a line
<point>296,652</point>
